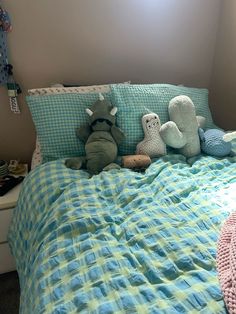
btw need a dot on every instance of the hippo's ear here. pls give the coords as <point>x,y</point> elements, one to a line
<point>101,97</point>
<point>89,112</point>
<point>201,134</point>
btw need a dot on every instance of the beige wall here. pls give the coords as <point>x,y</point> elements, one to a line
<point>98,41</point>
<point>223,83</point>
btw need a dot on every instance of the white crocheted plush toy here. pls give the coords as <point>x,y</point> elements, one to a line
<point>152,144</point>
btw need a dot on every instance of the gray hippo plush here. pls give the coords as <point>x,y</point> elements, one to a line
<point>101,137</point>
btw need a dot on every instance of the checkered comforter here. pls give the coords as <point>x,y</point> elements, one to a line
<point>123,242</point>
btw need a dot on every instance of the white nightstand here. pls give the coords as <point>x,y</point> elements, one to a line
<point>7,204</point>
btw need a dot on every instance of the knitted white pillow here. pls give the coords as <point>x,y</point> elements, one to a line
<point>60,89</point>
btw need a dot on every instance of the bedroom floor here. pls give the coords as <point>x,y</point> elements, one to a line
<point>9,293</point>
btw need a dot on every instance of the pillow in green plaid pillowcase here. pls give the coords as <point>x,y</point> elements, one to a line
<point>133,101</point>
<point>56,118</point>
<point>60,89</point>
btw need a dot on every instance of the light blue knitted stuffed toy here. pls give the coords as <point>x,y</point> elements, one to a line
<point>216,143</point>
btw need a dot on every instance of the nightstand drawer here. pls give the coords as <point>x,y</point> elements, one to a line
<point>7,262</point>
<point>5,219</point>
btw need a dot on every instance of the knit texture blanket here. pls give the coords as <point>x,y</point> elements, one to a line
<point>226,262</point>
<point>123,242</point>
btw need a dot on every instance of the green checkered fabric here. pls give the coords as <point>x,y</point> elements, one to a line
<point>56,118</point>
<point>134,101</point>
<point>121,241</point>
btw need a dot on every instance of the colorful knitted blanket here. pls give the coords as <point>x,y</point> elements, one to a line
<point>226,262</point>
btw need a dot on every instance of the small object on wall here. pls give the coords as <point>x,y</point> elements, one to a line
<point>6,74</point>
<point>13,89</point>
<point>5,27</point>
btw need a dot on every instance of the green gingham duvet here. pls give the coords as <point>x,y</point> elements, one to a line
<point>122,241</point>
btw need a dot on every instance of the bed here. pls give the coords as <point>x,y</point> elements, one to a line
<point>122,241</point>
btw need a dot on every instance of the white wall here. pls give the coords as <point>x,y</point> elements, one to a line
<point>98,41</point>
<point>223,82</point>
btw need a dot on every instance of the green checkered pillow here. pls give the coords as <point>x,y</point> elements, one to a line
<point>56,118</point>
<point>133,101</point>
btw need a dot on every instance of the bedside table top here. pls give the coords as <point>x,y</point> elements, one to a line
<point>9,200</point>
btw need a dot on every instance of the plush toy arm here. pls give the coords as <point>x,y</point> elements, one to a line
<point>201,121</point>
<point>75,163</point>
<point>83,132</point>
<point>201,134</point>
<point>228,137</point>
<point>136,161</point>
<point>172,136</point>
<point>118,134</point>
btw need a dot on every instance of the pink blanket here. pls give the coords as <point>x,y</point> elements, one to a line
<point>226,262</point>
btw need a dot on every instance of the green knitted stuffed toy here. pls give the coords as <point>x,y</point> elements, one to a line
<point>182,131</point>
<point>101,137</point>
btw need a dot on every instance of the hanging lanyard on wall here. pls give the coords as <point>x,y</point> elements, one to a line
<point>6,74</point>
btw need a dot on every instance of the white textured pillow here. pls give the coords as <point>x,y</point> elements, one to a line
<point>68,90</point>
<point>37,156</point>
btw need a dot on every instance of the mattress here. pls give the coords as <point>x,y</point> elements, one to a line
<point>123,241</point>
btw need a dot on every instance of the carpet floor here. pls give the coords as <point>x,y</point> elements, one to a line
<point>9,293</point>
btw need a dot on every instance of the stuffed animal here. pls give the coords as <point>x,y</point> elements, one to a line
<point>216,143</point>
<point>136,162</point>
<point>182,131</point>
<point>101,137</point>
<point>152,144</point>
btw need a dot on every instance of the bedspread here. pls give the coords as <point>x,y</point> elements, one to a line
<point>123,241</point>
